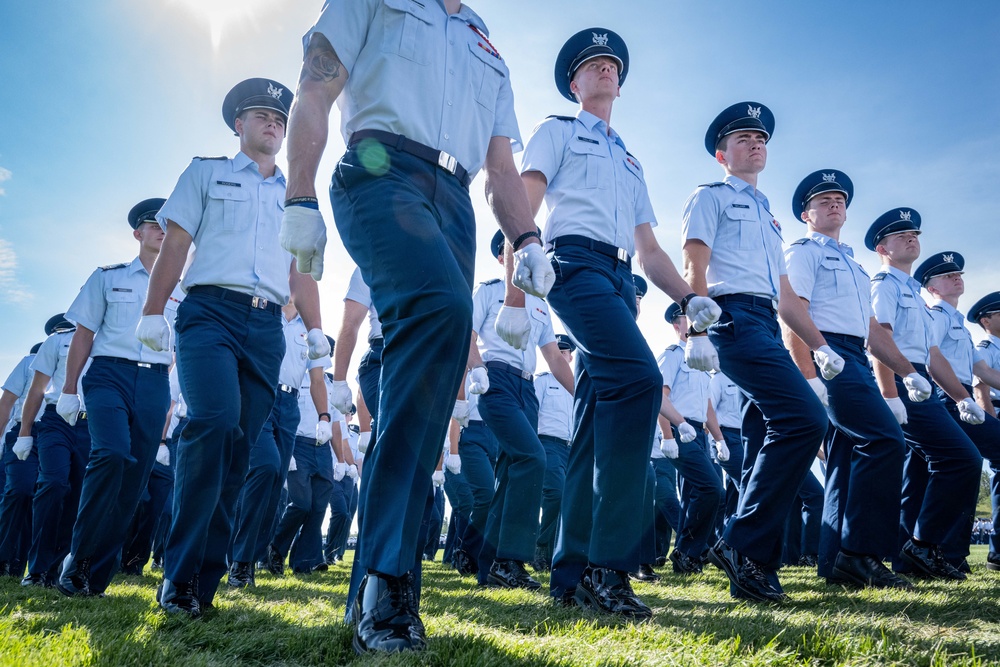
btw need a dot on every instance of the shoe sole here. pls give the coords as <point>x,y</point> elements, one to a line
<point>68,592</point>
<point>589,604</point>
<point>848,579</point>
<point>923,572</point>
<point>747,594</point>
<point>500,583</point>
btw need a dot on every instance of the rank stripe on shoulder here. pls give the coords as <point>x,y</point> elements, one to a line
<point>110,267</point>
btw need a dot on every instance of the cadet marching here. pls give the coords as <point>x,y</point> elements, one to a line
<point>188,406</point>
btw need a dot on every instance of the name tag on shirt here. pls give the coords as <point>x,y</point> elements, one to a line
<point>588,140</point>
<point>121,289</point>
<point>741,206</point>
<point>230,183</point>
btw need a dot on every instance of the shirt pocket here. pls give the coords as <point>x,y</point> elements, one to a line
<point>909,314</point>
<point>486,76</point>
<point>836,275</point>
<point>538,323</point>
<point>233,202</point>
<point>596,161</point>
<point>301,347</point>
<point>122,307</point>
<point>742,229</point>
<point>406,30</point>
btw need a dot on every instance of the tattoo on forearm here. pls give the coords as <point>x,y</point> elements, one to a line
<point>321,61</point>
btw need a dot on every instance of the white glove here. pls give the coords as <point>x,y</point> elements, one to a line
<point>324,431</point>
<point>22,447</point>
<point>363,441</point>
<point>341,397</point>
<point>303,233</point>
<point>820,389</point>
<point>970,412</point>
<point>898,409</point>
<point>68,407</point>
<point>292,465</point>
<point>669,448</point>
<point>917,387</point>
<point>181,410</point>
<point>700,354</point>
<point>339,470</point>
<point>461,412</point>
<point>154,332</point>
<point>702,312</point>
<point>163,455</point>
<point>438,478</point>
<point>319,346</point>
<point>721,450</point>
<point>513,326</point>
<point>454,464</point>
<point>830,363</point>
<point>352,472</point>
<point>532,271</point>
<point>686,432</point>
<point>480,380</point>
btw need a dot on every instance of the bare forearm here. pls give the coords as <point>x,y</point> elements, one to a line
<point>657,265</point>
<point>885,378</point>
<point>668,411</point>
<point>7,401</point>
<point>990,376</point>
<point>79,351</point>
<point>166,424</point>
<point>793,312</point>
<point>982,394</point>
<point>33,402</point>
<point>712,424</point>
<point>475,360</point>
<point>696,256</point>
<point>167,269</point>
<point>799,352</point>
<point>305,296</point>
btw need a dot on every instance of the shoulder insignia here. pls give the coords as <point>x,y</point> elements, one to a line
<point>983,344</point>
<point>490,282</point>
<point>110,267</point>
<point>937,308</point>
<point>712,185</point>
<point>566,118</point>
<point>543,374</point>
<point>879,277</point>
<point>801,241</point>
<point>673,347</point>
<point>220,157</point>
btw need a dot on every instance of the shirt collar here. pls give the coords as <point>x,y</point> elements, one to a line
<point>135,266</point>
<point>738,184</point>
<point>994,339</point>
<point>904,278</point>
<point>466,14</point>
<point>591,122</point>
<point>823,239</point>
<point>241,161</point>
<point>947,308</point>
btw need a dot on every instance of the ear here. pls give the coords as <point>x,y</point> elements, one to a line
<point>805,217</point>
<point>238,124</point>
<point>720,157</point>
<point>136,234</point>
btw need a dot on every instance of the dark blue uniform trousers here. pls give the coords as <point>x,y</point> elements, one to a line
<point>940,473</point>
<point>269,458</point>
<point>617,399</point>
<point>864,464</point>
<point>411,230</point>
<point>431,526</point>
<point>63,451</point>
<point>478,448</point>
<point>668,507</point>
<point>159,489</point>
<point>339,527</point>
<point>456,488</point>
<point>556,458</point>
<point>781,434</point>
<point>734,471</point>
<point>228,357</point>
<point>126,408</point>
<point>701,493</point>
<point>309,488</point>
<point>15,505</point>
<point>510,410</point>
<point>802,527</point>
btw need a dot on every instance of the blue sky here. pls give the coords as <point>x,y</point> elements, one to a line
<point>105,102</point>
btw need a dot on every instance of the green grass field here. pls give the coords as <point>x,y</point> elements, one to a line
<point>297,621</point>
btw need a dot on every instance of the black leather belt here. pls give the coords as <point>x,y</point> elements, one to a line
<point>159,368</point>
<point>554,439</point>
<point>415,148</point>
<point>288,389</point>
<point>507,368</point>
<point>751,299</point>
<point>52,408</point>
<point>258,302</point>
<point>856,341</point>
<point>612,251</point>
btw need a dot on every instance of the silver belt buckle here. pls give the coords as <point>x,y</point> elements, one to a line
<point>142,364</point>
<point>447,162</point>
<point>622,255</point>
<point>259,302</point>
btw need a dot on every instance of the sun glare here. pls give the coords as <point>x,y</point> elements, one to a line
<point>220,14</point>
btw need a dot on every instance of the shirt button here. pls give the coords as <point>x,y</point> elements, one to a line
<point>449,102</point>
<point>451,71</point>
<point>447,136</point>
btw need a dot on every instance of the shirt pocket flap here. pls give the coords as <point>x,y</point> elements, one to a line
<point>410,7</point>
<point>739,213</point>
<point>113,296</point>
<point>583,147</point>
<point>227,192</point>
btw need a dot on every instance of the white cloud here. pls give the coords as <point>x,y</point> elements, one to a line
<point>5,175</point>
<point>11,290</point>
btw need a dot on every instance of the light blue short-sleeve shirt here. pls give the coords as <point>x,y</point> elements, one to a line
<point>110,305</point>
<point>688,387</point>
<point>51,361</point>
<point>988,351</point>
<point>824,272</point>
<point>296,361</point>
<point>727,400</point>
<point>417,71</point>
<point>358,291</point>
<point>948,332</point>
<point>18,383</point>
<point>234,215</point>
<point>896,301</point>
<point>555,407</point>
<point>595,187</point>
<point>486,302</point>
<point>734,220</point>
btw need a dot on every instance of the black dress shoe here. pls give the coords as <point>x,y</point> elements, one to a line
<point>806,560</point>
<point>132,569</point>
<point>567,599</point>
<point>963,566</point>
<point>275,561</point>
<point>542,562</point>
<point>465,564</point>
<point>385,615</point>
<point>241,575</point>
<point>661,561</point>
<point>928,562</point>
<point>748,577</point>
<point>609,591</point>
<point>179,598</point>
<point>38,580</point>
<point>645,573</point>
<point>322,566</point>
<point>511,574</point>
<point>867,571</point>
<point>993,561</point>
<point>75,577</point>
<point>684,564</point>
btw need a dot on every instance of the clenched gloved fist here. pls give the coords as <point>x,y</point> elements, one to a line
<point>532,271</point>
<point>303,233</point>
